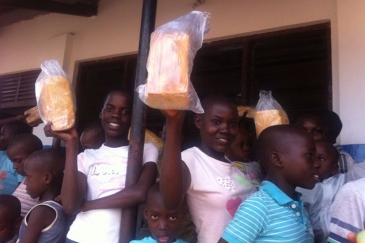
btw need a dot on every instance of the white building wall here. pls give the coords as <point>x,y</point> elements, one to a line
<point>115,31</point>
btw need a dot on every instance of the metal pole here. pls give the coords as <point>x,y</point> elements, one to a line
<point>136,142</point>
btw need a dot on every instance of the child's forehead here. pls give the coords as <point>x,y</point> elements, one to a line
<point>310,119</point>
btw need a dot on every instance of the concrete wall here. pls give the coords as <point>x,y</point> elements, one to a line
<point>115,31</point>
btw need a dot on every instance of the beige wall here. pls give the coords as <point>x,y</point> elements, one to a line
<point>115,31</point>
<point>351,39</point>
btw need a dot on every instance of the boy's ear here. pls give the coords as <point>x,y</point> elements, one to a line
<point>18,223</point>
<point>145,212</point>
<point>100,113</point>
<point>334,169</point>
<point>197,121</point>
<point>275,159</point>
<point>48,177</point>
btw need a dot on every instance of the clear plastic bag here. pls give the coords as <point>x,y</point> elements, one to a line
<point>268,112</point>
<point>55,96</point>
<point>170,61</point>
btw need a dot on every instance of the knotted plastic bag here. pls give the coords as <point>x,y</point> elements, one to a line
<point>55,96</point>
<point>268,112</point>
<point>170,61</point>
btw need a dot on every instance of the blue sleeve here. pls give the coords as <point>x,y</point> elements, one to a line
<point>248,222</point>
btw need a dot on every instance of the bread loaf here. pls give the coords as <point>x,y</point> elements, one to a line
<point>150,137</point>
<point>55,103</point>
<point>168,72</point>
<point>267,118</point>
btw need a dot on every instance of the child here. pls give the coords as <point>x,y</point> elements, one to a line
<point>314,126</point>
<point>93,136</point>
<point>98,175</point>
<point>333,126</point>
<point>276,212</point>
<point>163,223</point>
<point>9,218</point>
<point>214,187</point>
<point>9,179</point>
<point>18,151</point>
<point>319,200</point>
<point>348,211</point>
<point>46,222</point>
<point>240,152</point>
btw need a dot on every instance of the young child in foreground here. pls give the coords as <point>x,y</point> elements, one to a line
<point>276,212</point>
<point>18,151</point>
<point>9,218</point>
<point>319,200</point>
<point>240,152</point>
<point>163,223</point>
<point>46,222</point>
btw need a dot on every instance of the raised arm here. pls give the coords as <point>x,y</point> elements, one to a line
<point>129,196</point>
<point>175,176</point>
<point>74,182</point>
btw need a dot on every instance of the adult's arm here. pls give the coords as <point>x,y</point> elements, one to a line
<point>129,196</point>
<point>175,177</point>
<point>74,183</point>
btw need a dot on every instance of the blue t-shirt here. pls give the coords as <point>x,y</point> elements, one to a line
<point>9,179</point>
<point>269,215</point>
<point>151,240</point>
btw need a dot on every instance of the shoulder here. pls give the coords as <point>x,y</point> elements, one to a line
<point>41,214</point>
<point>192,154</point>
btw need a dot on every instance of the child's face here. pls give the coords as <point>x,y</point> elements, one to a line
<point>240,149</point>
<point>163,223</point>
<point>7,226</point>
<point>300,167</point>
<point>18,158</point>
<point>34,180</point>
<point>218,126</point>
<point>116,115</point>
<point>328,166</point>
<point>312,126</point>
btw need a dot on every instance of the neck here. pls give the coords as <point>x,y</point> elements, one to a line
<point>212,153</point>
<point>49,195</point>
<point>288,189</point>
<point>115,142</point>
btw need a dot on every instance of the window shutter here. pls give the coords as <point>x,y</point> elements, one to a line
<point>17,90</point>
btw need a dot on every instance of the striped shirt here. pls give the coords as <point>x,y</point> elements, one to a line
<point>348,211</point>
<point>269,215</point>
<point>26,201</point>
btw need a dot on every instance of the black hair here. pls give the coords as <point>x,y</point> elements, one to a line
<point>126,92</point>
<point>12,206</point>
<point>28,142</point>
<point>276,138</point>
<point>332,124</point>
<point>18,127</point>
<point>50,160</point>
<point>216,97</point>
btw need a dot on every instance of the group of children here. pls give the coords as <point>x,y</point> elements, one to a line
<point>230,197</point>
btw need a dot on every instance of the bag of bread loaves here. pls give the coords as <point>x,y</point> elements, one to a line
<point>55,97</point>
<point>268,112</point>
<point>170,61</point>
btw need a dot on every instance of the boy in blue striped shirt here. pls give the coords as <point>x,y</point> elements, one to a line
<point>275,213</point>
